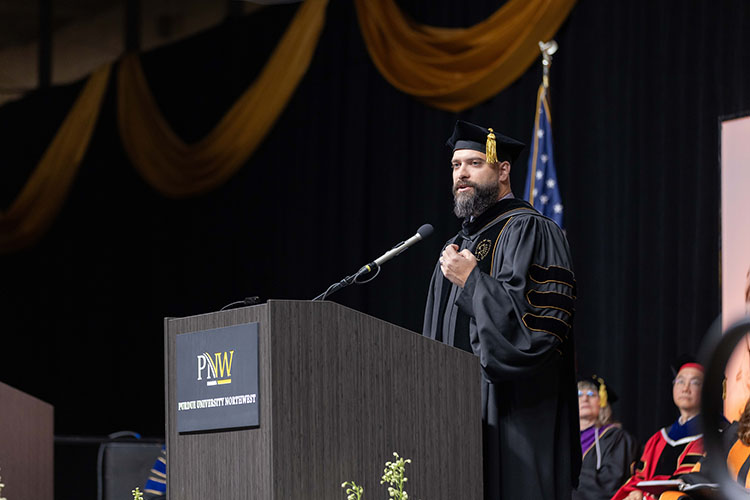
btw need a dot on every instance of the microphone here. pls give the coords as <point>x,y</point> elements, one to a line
<point>423,232</point>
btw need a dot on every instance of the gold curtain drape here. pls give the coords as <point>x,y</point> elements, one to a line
<point>455,69</point>
<point>168,164</point>
<point>41,198</point>
<point>451,69</point>
<point>177,169</point>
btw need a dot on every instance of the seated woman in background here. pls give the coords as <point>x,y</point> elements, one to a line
<point>608,451</point>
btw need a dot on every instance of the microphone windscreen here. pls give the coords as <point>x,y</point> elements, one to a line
<point>425,230</point>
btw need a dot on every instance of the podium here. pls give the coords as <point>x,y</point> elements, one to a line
<point>26,443</point>
<point>339,392</point>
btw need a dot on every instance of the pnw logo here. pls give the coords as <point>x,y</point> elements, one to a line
<point>217,369</point>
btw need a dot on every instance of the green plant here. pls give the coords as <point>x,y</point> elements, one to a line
<point>353,492</point>
<point>394,474</point>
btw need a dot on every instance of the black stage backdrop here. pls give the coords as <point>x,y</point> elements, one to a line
<point>354,166</point>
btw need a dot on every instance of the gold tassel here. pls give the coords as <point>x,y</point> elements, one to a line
<point>491,148</point>
<point>602,392</point>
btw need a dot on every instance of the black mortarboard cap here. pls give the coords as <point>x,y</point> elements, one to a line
<point>606,393</point>
<point>470,136</point>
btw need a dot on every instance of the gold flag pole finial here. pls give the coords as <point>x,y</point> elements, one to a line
<point>547,48</point>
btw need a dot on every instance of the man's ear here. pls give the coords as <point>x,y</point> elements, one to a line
<point>503,169</point>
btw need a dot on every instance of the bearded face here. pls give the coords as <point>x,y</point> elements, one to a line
<point>477,185</point>
<point>473,198</point>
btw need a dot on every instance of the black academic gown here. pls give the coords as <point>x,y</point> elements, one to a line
<point>618,452</point>
<point>515,313</point>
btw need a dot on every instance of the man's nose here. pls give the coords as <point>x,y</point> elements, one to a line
<point>462,172</point>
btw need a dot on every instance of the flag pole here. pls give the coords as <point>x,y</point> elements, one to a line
<point>542,190</point>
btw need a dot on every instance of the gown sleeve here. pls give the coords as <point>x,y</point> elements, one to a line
<point>523,311</point>
<point>642,470</point>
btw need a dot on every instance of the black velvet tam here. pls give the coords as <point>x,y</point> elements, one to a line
<point>470,136</point>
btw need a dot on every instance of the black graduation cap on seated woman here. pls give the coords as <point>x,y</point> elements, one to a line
<point>606,393</point>
<point>497,147</point>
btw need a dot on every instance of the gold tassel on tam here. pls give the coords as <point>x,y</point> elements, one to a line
<point>491,148</point>
<point>602,392</point>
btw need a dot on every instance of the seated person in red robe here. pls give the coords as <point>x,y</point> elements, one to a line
<point>736,446</point>
<point>674,450</point>
<point>609,452</point>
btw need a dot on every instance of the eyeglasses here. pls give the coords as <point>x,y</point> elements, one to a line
<point>695,382</point>
<point>588,393</point>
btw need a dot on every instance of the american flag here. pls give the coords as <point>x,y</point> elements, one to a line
<point>541,182</point>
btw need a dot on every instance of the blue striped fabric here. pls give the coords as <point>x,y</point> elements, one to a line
<point>157,479</point>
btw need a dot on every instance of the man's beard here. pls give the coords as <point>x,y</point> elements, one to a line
<point>474,202</point>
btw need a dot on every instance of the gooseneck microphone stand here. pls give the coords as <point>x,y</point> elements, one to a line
<point>354,278</point>
<point>374,267</point>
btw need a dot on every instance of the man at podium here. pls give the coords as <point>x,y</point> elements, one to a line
<point>504,289</point>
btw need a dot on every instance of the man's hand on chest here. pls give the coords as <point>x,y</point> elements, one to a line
<point>456,266</point>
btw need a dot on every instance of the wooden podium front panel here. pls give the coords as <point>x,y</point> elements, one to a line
<point>339,392</point>
<point>26,444</point>
<point>352,389</point>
